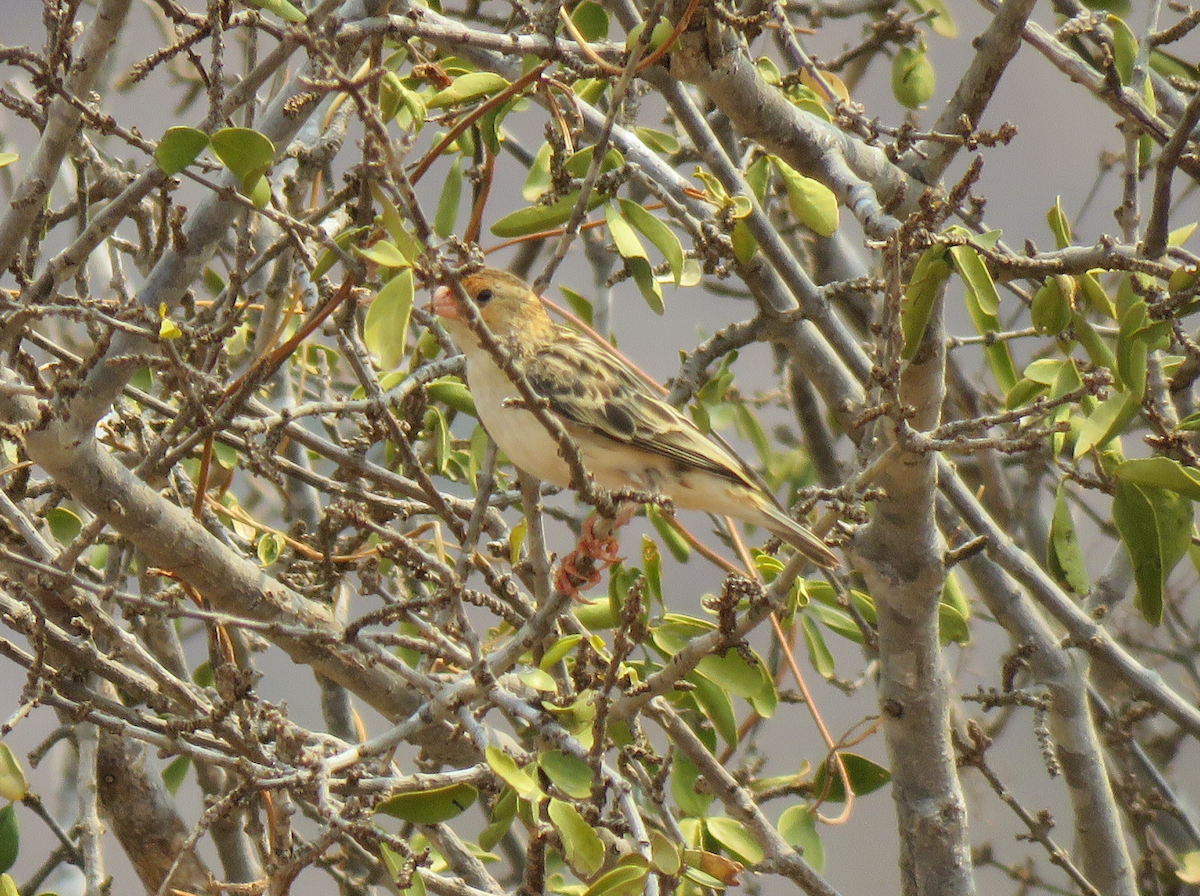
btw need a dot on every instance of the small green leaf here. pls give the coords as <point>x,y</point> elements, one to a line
<point>1064,555</point>
<point>10,841</point>
<point>385,330</point>
<point>675,543</point>
<point>281,8</point>
<point>8,887</point>
<point>922,291</point>
<point>818,650</point>
<point>659,141</point>
<point>453,393</point>
<point>582,847</point>
<point>430,806</point>
<point>384,254</point>
<point>813,203</point>
<point>1125,48</point>
<point>64,525</point>
<point>513,775</point>
<point>447,207</point>
<point>865,777</point>
<point>1156,527</point>
<point>537,218</point>
<point>624,880</point>
<point>659,234</point>
<point>7,158</point>
<point>665,856</point>
<point>270,546</point>
<point>175,773</point>
<point>13,783</point>
<point>684,777</point>
<point>470,86</point>
<point>738,841</point>
<point>1105,422</point>
<point>913,78</point>
<point>1161,472</point>
<point>1053,304</point>
<point>591,20</point>
<point>179,148</point>
<point>714,702</point>
<point>568,773</point>
<point>503,812</point>
<point>798,826</point>
<point>1059,225</point>
<point>246,153</point>
<point>937,15</point>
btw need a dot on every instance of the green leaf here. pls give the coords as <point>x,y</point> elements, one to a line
<point>384,254</point>
<point>977,278</point>
<point>813,203</point>
<point>922,291</point>
<point>7,158</point>
<point>503,812</point>
<point>636,261</point>
<point>624,880</point>
<point>1125,48</point>
<point>659,141</point>
<point>559,649</point>
<point>1059,225</point>
<point>1052,305</point>
<point>447,207</point>
<point>179,148</point>
<point>937,15</point>
<point>1096,295</point>
<point>736,674</point>
<point>798,826</point>
<point>430,806</point>
<point>513,775</point>
<point>64,525</point>
<point>684,776</point>
<point>13,783</point>
<point>453,393</point>
<point>578,163</point>
<point>8,886</point>
<point>1064,555</point>
<point>1106,421</point>
<point>591,20</point>
<point>281,8</point>
<point>248,154</point>
<point>738,841</point>
<point>537,218</point>
<point>385,330</point>
<point>1156,527</point>
<point>175,773</point>
<point>582,847</point>
<point>270,546</point>
<point>818,651</point>
<point>716,706</point>
<point>913,78</point>
<point>10,838</point>
<point>470,86</point>
<point>865,777</point>
<point>1161,472</point>
<point>661,236</point>
<point>568,773</point>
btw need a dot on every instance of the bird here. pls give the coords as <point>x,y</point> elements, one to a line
<point>628,437</point>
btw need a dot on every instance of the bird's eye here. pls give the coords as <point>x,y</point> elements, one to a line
<point>485,296</point>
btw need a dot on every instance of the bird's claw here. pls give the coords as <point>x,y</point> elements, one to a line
<point>583,567</point>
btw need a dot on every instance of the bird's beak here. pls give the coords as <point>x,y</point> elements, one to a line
<point>445,304</point>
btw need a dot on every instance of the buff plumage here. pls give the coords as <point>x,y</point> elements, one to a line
<point>627,436</point>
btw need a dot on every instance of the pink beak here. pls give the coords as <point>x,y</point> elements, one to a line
<point>445,304</point>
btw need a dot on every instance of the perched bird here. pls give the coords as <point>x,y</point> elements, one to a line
<point>627,436</point>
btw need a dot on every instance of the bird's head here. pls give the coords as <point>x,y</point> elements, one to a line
<point>506,303</point>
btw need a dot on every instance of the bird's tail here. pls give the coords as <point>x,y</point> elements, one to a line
<point>804,541</point>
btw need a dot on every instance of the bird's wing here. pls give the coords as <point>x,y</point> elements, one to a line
<point>591,388</point>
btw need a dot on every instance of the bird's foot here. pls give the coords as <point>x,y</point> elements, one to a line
<point>595,552</point>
